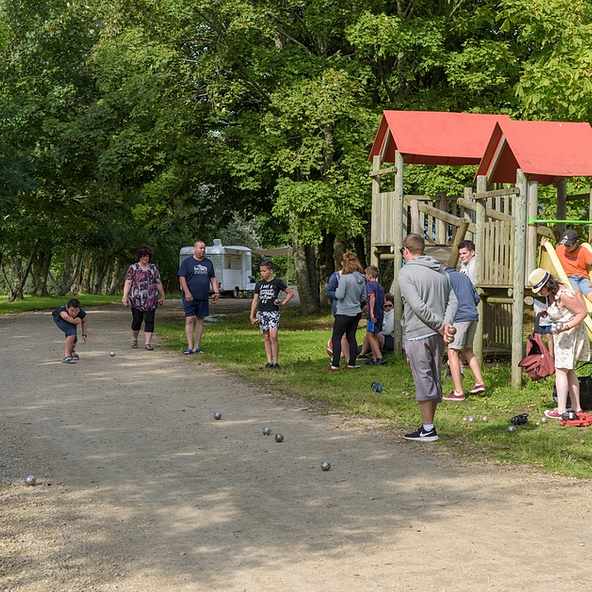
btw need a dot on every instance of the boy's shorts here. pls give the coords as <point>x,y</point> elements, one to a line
<point>465,335</point>
<point>268,319</point>
<point>580,283</point>
<point>374,326</point>
<point>389,343</point>
<point>68,328</point>
<point>196,308</point>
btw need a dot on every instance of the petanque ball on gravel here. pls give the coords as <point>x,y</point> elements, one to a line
<point>266,431</point>
<point>279,437</point>
<point>217,415</point>
<point>30,480</point>
<point>112,354</point>
<point>511,428</point>
<point>325,465</point>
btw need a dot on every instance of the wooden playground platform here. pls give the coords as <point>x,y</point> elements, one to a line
<point>499,215</point>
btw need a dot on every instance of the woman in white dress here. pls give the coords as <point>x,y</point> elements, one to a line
<point>570,338</point>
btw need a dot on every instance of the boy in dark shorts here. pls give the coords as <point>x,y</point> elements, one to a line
<point>375,305</point>
<point>67,317</point>
<point>265,309</point>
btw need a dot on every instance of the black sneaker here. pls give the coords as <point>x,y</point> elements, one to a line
<point>268,365</point>
<point>422,435</point>
<point>381,362</point>
<point>370,362</point>
<point>276,366</point>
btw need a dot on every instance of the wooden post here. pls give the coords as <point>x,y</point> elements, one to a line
<point>480,207</point>
<point>376,163</point>
<point>533,243</point>
<point>561,185</point>
<point>519,279</point>
<point>398,259</point>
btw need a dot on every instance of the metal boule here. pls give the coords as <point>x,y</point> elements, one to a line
<point>217,415</point>
<point>30,480</point>
<point>266,431</point>
<point>325,465</point>
<point>279,437</point>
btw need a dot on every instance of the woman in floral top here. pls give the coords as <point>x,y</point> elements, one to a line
<point>140,293</point>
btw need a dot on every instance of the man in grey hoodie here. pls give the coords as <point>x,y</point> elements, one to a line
<point>429,310</point>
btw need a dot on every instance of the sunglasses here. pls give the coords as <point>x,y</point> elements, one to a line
<point>388,306</point>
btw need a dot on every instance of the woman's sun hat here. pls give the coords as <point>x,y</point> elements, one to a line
<point>538,278</point>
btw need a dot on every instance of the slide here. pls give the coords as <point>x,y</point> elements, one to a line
<point>549,261</point>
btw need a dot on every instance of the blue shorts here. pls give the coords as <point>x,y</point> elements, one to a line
<point>196,308</point>
<point>374,326</point>
<point>544,330</point>
<point>580,283</point>
<point>68,328</point>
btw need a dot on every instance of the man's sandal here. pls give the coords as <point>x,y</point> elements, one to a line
<point>74,355</point>
<point>68,360</point>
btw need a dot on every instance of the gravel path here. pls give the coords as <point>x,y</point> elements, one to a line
<point>139,488</point>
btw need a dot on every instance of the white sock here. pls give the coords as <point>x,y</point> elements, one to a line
<point>428,427</point>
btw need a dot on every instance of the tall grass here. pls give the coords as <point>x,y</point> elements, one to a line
<point>233,344</point>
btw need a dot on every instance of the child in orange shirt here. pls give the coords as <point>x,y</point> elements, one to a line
<point>576,261</point>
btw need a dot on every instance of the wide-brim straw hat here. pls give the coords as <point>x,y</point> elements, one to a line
<point>538,278</point>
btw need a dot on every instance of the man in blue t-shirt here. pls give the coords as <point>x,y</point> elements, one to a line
<point>196,273</point>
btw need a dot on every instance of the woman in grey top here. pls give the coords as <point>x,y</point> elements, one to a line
<point>350,295</point>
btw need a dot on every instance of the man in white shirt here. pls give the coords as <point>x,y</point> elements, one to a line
<point>466,253</point>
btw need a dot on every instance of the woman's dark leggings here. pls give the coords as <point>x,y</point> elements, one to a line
<point>138,316</point>
<point>348,325</point>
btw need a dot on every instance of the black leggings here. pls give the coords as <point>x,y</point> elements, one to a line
<point>148,317</point>
<point>348,325</point>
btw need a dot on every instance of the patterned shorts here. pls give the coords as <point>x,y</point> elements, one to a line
<point>268,319</point>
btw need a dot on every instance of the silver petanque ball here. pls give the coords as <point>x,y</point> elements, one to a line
<point>266,431</point>
<point>325,465</point>
<point>485,418</point>
<point>452,331</point>
<point>471,419</point>
<point>217,415</point>
<point>30,480</point>
<point>543,419</point>
<point>511,428</point>
<point>279,437</point>
<point>112,354</point>
<point>465,418</point>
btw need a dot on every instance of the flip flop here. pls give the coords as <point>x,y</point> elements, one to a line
<point>68,360</point>
<point>149,347</point>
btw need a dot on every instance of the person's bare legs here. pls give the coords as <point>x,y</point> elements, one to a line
<point>428,411</point>
<point>562,386</point>
<point>473,363</point>
<point>147,338</point>
<point>199,325</point>
<point>374,346</point>
<point>69,345</point>
<point>574,390</point>
<point>268,348</point>
<point>454,365</point>
<point>189,321</point>
<point>274,344</point>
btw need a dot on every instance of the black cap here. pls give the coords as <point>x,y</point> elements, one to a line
<point>570,238</point>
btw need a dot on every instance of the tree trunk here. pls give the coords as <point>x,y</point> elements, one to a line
<point>40,272</point>
<point>326,266</point>
<point>307,278</point>
<point>361,250</point>
<point>70,274</point>
<point>117,278</point>
<point>16,291</point>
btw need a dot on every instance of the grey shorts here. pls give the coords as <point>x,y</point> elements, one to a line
<point>425,359</point>
<point>465,335</point>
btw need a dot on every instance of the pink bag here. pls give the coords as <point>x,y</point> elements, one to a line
<point>538,362</point>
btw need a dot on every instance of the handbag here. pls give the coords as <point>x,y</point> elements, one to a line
<point>538,362</point>
<point>585,390</point>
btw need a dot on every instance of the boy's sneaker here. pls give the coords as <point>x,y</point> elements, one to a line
<point>354,367</point>
<point>268,365</point>
<point>454,396</point>
<point>553,414</point>
<point>422,435</point>
<point>381,362</point>
<point>370,362</point>
<point>276,367</point>
<point>478,388</point>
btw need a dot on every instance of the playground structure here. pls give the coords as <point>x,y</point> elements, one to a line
<point>515,156</point>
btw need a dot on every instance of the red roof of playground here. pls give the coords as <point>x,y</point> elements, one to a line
<point>434,137</point>
<point>542,149</point>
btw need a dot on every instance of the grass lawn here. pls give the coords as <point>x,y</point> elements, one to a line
<point>52,302</point>
<point>233,344</point>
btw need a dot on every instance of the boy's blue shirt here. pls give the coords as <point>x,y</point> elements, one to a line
<point>373,287</point>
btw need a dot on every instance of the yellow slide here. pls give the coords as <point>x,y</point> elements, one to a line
<point>549,261</point>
